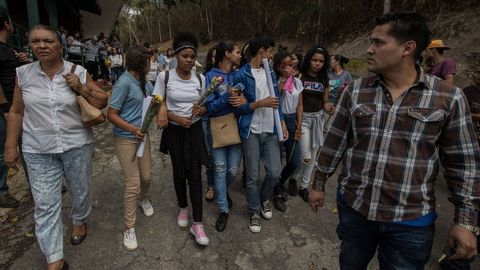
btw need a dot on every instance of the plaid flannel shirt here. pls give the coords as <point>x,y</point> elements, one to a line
<point>392,150</point>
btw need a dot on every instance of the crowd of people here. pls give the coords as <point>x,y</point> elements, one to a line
<point>391,130</point>
<point>93,51</point>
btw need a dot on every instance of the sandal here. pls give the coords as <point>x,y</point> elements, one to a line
<point>210,194</point>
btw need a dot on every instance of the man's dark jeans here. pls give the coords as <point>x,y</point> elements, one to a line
<point>92,68</point>
<point>399,246</point>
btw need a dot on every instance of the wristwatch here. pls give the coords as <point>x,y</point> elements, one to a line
<point>473,229</point>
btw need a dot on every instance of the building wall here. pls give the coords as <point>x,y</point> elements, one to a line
<point>93,24</point>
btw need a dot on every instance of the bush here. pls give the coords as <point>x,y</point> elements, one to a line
<point>203,38</point>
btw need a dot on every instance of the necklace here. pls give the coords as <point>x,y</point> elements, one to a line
<point>50,74</point>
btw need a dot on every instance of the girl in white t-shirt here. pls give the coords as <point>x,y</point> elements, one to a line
<point>154,67</point>
<point>291,97</point>
<point>183,137</point>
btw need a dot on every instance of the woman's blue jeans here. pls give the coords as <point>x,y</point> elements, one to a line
<point>226,161</point>
<point>46,173</point>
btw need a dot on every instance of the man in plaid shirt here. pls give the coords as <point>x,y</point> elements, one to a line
<point>392,131</point>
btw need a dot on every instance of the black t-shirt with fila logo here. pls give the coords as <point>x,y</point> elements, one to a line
<point>312,93</point>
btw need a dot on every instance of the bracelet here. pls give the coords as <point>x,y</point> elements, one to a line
<point>319,188</point>
<point>475,230</point>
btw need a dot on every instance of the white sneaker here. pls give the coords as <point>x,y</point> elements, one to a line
<point>266,210</point>
<point>146,207</point>
<point>130,239</point>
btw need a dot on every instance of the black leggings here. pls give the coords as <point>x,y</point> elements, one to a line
<point>194,178</point>
<point>187,152</point>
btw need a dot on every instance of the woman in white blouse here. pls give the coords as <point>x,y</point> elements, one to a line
<point>291,90</point>
<point>154,67</point>
<point>116,65</point>
<point>55,143</point>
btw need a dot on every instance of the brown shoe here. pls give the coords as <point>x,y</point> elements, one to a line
<point>77,239</point>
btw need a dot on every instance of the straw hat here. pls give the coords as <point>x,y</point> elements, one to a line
<point>437,43</point>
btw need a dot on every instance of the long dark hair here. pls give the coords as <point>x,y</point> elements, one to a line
<point>209,63</point>
<point>341,59</point>
<point>277,61</point>
<point>137,59</point>
<point>254,45</point>
<point>299,56</point>
<point>222,48</point>
<point>169,50</point>
<point>322,74</point>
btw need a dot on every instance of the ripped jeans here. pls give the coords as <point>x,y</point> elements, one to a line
<point>226,161</point>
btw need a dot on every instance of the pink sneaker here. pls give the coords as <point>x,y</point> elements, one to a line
<point>182,219</point>
<point>200,235</point>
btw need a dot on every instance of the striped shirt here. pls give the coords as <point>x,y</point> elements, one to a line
<point>392,150</point>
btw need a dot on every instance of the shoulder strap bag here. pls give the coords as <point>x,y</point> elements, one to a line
<point>91,116</point>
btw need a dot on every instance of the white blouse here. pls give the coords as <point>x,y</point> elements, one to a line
<point>52,121</point>
<point>290,100</point>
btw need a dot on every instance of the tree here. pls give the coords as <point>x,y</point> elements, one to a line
<point>387,6</point>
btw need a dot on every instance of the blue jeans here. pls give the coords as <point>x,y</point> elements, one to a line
<point>208,144</point>
<point>116,72</point>
<point>226,161</point>
<point>46,174</point>
<point>292,152</point>
<point>3,167</point>
<point>267,147</point>
<point>399,246</point>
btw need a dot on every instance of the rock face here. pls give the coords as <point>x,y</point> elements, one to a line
<point>457,29</point>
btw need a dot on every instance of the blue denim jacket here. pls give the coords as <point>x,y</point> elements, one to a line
<point>217,103</point>
<point>244,76</point>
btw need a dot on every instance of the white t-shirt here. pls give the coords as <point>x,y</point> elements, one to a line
<point>262,121</point>
<point>75,47</point>
<point>180,94</point>
<point>290,100</point>
<point>154,69</point>
<point>116,60</point>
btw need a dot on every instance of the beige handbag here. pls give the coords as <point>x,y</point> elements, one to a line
<point>91,116</point>
<point>224,131</point>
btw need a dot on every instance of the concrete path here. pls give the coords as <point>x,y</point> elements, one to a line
<point>296,239</point>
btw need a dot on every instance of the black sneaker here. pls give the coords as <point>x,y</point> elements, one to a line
<point>279,203</point>
<point>292,187</point>
<point>303,192</point>
<point>221,222</point>
<point>229,200</point>
<point>254,224</point>
<point>284,195</point>
<point>7,201</point>
<point>266,210</point>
